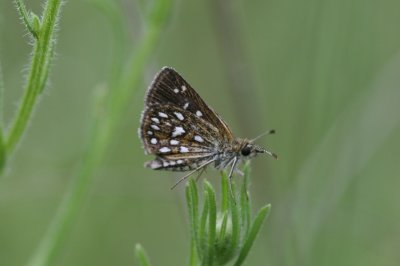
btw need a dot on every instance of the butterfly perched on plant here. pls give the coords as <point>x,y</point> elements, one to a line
<point>184,133</point>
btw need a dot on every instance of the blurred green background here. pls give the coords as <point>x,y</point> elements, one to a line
<point>324,74</point>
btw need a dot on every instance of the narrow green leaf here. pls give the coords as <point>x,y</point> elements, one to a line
<point>194,194</point>
<point>245,204</point>
<point>34,22</point>
<point>193,259</point>
<point>224,234</point>
<point>141,256</point>
<point>202,237</point>
<point>224,224</point>
<point>212,223</point>
<point>225,193</point>
<point>192,202</point>
<point>234,213</point>
<point>254,230</point>
<point>31,21</point>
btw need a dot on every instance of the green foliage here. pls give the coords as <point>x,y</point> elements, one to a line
<point>323,73</point>
<point>109,106</point>
<point>221,236</point>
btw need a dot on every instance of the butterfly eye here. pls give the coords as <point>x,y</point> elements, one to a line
<point>246,150</point>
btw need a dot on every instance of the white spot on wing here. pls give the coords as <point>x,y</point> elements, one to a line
<point>165,163</point>
<point>183,88</point>
<point>155,119</point>
<point>176,90</point>
<point>178,131</point>
<point>153,141</point>
<point>186,106</point>
<point>199,114</point>
<point>172,163</point>
<point>150,132</point>
<point>198,138</point>
<point>183,149</point>
<point>179,115</point>
<point>165,149</point>
<point>179,161</point>
<point>155,127</point>
<point>174,142</point>
<point>161,114</point>
<point>154,164</point>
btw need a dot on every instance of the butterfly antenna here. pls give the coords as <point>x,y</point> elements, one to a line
<point>272,131</point>
<point>271,154</point>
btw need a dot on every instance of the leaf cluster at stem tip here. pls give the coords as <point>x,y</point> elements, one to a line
<point>224,235</point>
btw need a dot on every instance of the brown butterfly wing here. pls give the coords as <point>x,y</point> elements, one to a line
<point>168,87</point>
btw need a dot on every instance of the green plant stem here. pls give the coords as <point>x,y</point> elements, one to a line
<point>67,211</point>
<point>115,103</point>
<point>37,72</point>
<point>120,100</point>
<point>2,144</point>
<point>111,10</point>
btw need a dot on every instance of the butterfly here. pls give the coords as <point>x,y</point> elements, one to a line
<point>185,134</point>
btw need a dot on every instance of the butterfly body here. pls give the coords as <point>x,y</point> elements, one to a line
<point>184,133</point>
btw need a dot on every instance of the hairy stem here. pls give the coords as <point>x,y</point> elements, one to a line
<point>38,71</point>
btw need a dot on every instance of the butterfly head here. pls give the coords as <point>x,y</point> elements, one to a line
<point>249,150</point>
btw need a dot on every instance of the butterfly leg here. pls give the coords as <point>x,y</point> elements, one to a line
<point>239,172</point>
<point>200,173</point>
<point>235,160</point>
<point>195,170</point>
